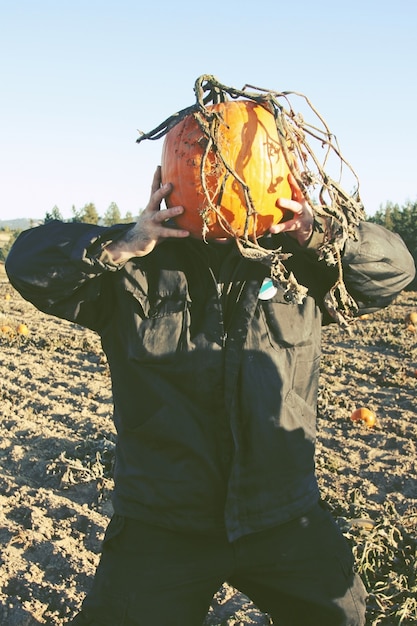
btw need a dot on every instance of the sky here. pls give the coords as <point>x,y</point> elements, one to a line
<point>80,78</point>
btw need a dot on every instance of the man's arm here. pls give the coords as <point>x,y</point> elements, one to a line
<point>62,267</point>
<point>377,266</point>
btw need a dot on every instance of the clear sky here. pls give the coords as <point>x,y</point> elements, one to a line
<point>78,78</point>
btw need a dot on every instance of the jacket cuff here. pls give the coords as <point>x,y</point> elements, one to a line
<point>105,258</point>
<point>323,229</point>
<point>97,251</point>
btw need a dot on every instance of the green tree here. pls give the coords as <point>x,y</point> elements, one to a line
<point>128,218</point>
<point>403,221</point>
<point>55,214</point>
<point>88,214</point>
<point>5,248</point>
<point>112,215</point>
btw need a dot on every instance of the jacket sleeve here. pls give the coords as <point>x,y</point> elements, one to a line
<point>58,267</point>
<point>377,267</point>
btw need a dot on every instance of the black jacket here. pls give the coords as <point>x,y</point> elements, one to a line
<point>214,389</point>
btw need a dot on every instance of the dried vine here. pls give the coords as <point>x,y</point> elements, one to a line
<point>344,209</point>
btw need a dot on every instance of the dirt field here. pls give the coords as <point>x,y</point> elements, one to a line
<point>56,450</point>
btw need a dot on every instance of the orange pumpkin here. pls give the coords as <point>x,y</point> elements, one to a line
<point>247,141</point>
<point>412,318</point>
<point>364,415</point>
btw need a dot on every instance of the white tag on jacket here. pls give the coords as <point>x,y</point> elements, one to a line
<point>267,290</point>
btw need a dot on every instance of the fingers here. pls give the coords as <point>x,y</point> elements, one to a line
<point>295,206</point>
<point>300,228</point>
<point>156,182</point>
<point>166,214</point>
<point>300,225</point>
<point>297,202</point>
<point>176,233</point>
<point>158,194</point>
<point>161,228</point>
<point>287,226</point>
<point>158,191</point>
<point>154,219</point>
<point>296,193</point>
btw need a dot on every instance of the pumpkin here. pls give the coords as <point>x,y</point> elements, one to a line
<point>364,415</point>
<point>412,318</point>
<point>233,191</point>
<point>22,329</point>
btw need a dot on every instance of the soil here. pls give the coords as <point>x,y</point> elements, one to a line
<point>57,440</point>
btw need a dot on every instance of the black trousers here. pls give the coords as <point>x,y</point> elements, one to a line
<point>300,573</point>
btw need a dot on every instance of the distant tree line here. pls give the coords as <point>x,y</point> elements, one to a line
<point>401,220</point>
<point>89,215</point>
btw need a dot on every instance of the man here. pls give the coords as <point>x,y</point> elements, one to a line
<point>215,383</point>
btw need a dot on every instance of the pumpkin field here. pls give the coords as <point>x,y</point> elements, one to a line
<point>56,454</point>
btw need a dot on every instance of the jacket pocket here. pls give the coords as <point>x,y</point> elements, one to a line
<point>290,324</point>
<point>157,327</point>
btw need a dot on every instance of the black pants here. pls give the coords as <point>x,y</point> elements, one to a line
<point>300,573</point>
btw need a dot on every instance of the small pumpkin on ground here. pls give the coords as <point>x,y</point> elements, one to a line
<point>364,415</point>
<point>412,318</point>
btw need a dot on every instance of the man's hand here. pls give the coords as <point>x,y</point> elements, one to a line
<point>300,225</point>
<point>151,228</point>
